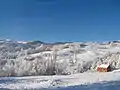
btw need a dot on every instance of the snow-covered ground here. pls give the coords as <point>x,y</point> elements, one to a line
<point>84,81</point>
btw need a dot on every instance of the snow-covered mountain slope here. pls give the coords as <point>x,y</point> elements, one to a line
<point>38,58</point>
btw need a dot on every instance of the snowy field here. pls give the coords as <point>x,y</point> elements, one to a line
<point>99,86</point>
<point>83,81</point>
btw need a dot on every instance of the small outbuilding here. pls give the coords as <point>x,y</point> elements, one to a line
<point>103,68</point>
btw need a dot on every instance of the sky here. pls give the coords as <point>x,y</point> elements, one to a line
<point>60,20</point>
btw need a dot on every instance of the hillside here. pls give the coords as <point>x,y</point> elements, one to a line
<point>61,58</point>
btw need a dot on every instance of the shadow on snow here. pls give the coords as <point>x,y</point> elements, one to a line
<point>114,85</point>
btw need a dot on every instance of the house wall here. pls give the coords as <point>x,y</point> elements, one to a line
<point>102,69</point>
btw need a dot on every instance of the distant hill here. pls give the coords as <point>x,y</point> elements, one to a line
<point>19,58</point>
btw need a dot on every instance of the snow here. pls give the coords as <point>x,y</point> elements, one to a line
<point>61,81</point>
<point>22,42</point>
<point>103,66</point>
<point>36,54</point>
<point>42,53</point>
<point>87,56</point>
